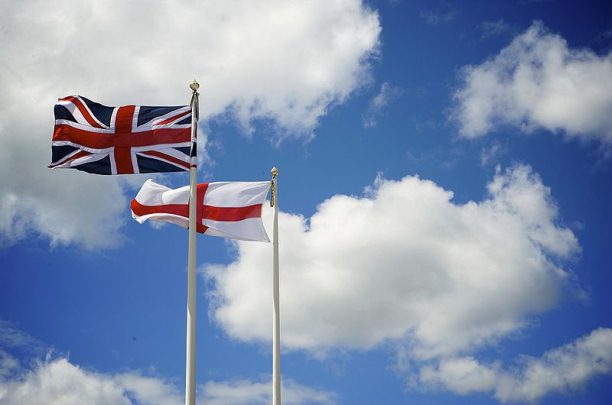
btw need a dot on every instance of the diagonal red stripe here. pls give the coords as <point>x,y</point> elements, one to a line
<point>175,118</point>
<point>83,109</point>
<point>164,156</point>
<point>77,155</point>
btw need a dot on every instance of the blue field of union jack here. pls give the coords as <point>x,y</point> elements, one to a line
<point>121,140</point>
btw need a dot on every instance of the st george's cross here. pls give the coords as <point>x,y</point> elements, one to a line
<point>228,209</point>
<point>121,140</point>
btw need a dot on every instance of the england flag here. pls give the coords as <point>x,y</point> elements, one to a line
<point>226,209</point>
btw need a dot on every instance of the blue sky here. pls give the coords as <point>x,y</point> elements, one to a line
<point>444,192</point>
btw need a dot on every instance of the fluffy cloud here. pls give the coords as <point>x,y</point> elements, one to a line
<point>61,382</point>
<point>560,369</point>
<point>462,375</point>
<point>403,262</point>
<point>287,62</point>
<point>251,393</point>
<point>538,82</point>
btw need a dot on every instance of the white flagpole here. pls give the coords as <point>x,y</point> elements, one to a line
<point>190,383</point>
<point>276,375</point>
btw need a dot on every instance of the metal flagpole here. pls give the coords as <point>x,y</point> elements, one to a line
<point>190,383</point>
<point>276,376</point>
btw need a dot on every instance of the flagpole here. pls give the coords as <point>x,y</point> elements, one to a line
<point>276,375</point>
<point>190,355</point>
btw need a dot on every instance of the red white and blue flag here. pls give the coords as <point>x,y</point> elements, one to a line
<point>121,140</point>
<point>226,209</point>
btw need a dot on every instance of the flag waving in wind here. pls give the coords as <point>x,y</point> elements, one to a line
<point>120,140</point>
<point>225,209</point>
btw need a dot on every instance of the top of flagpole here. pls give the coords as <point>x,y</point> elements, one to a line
<point>194,86</point>
<point>273,197</point>
<point>195,106</point>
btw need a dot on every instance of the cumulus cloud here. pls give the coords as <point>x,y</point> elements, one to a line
<point>251,393</point>
<point>378,103</point>
<point>403,262</point>
<point>286,62</point>
<point>462,375</point>
<point>538,82</point>
<point>59,381</point>
<point>567,367</point>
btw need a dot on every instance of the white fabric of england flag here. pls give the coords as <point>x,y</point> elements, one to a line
<point>225,209</point>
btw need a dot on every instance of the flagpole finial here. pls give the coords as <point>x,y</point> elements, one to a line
<point>194,85</point>
<point>274,172</point>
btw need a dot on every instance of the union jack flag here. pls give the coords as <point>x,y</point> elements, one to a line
<point>121,140</point>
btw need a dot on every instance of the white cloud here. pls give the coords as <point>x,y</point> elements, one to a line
<point>538,82</point>
<point>66,207</point>
<point>251,393</point>
<point>403,262</point>
<point>463,375</point>
<point>558,370</point>
<point>376,106</point>
<point>56,380</point>
<point>63,383</point>
<point>288,62</point>
<point>60,382</point>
